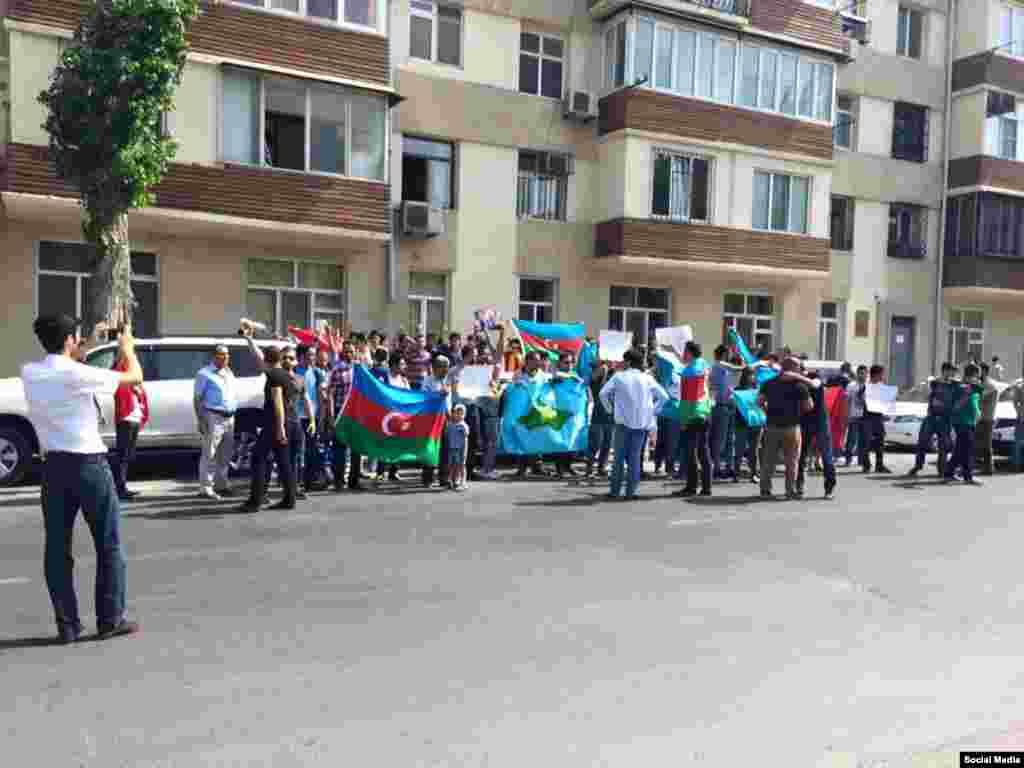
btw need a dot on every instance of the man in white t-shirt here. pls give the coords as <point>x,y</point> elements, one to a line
<point>62,395</point>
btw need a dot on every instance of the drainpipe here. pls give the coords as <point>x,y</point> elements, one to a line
<point>944,186</point>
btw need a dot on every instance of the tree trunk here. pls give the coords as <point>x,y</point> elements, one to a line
<point>110,297</point>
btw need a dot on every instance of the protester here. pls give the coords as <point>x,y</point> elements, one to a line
<point>131,413</point>
<point>855,392</point>
<point>666,445</point>
<point>785,401</point>
<point>872,428</point>
<point>966,412</point>
<point>452,350</point>
<point>815,434</point>
<point>437,381</point>
<point>936,424</point>
<point>565,371</point>
<point>489,413</point>
<point>457,433</point>
<point>997,369</point>
<point>278,402</point>
<point>338,386</point>
<point>723,414</point>
<point>301,424</point>
<point>510,353</point>
<point>531,373</point>
<point>986,423</point>
<point>314,382</point>
<point>748,435</point>
<point>694,411</point>
<point>634,399</point>
<point>215,402</point>
<point>417,361</point>
<point>602,424</point>
<point>61,393</point>
<point>843,379</point>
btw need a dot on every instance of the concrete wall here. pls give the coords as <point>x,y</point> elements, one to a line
<point>33,57</point>
<point>196,120</point>
<point>977,27</point>
<point>968,127</point>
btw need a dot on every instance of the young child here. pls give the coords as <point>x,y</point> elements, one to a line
<point>966,411</point>
<point>458,439</point>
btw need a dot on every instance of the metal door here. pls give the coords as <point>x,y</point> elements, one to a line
<point>901,352</point>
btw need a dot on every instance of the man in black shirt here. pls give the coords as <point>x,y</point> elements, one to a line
<point>785,401</point>
<point>816,437</point>
<point>279,400</point>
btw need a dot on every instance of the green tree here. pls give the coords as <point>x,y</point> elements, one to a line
<point>106,102</point>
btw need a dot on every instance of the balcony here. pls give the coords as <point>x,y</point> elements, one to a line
<point>986,171</point>
<point>242,35</point>
<point>711,248</point>
<point>722,10</point>
<point>984,251</point>
<point>246,198</point>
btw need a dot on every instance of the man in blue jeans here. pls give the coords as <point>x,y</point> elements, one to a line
<point>634,399</point>
<point>602,426</point>
<point>723,415</point>
<point>63,406</point>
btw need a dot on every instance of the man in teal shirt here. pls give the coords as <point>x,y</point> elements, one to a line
<point>966,412</point>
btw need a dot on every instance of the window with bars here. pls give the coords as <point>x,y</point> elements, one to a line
<point>985,224</point>
<point>428,302</point>
<point>780,202</point>
<point>640,310</point>
<point>910,132</point>
<point>841,223</point>
<point>536,300</point>
<point>543,185</point>
<point>966,336</point>
<point>541,62</point>
<point>908,231</point>
<point>753,317</point>
<point>680,187</point>
<point>282,293</point>
<point>435,32</point>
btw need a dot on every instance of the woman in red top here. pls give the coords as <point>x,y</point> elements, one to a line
<point>131,412</point>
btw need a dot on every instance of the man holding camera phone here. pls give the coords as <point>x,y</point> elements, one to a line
<point>63,407</point>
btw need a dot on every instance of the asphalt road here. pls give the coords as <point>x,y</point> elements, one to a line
<point>531,624</point>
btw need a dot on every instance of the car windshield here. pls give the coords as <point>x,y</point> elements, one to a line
<point>102,358</point>
<point>918,394</point>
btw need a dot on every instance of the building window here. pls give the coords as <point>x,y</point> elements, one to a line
<point>1002,126</point>
<point>428,302</point>
<point>828,331</point>
<point>846,118</point>
<point>362,13</point>
<point>841,223</point>
<point>303,294</point>
<point>640,310</point>
<point>1000,226</point>
<point>543,185</point>
<point>715,67</point>
<point>908,32</point>
<point>1011,29</point>
<point>536,300</point>
<point>908,231</point>
<point>540,64</point>
<point>435,32</point>
<point>780,202</point>
<point>680,187</point>
<point>966,337</point>
<point>910,132</point>
<point>321,128</point>
<point>753,317</point>
<point>428,172</point>
<point>63,275</point>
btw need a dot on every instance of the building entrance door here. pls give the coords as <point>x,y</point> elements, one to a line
<point>901,352</point>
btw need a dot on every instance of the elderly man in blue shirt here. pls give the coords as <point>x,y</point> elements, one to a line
<point>216,401</point>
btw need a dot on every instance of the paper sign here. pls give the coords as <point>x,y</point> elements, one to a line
<point>880,397</point>
<point>676,337</point>
<point>475,381</point>
<point>613,344</point>
<point>487,319</point>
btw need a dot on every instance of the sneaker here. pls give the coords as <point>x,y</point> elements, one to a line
<point>830,492</point>
<point>766,495</point>
<point>973,481</point>
<point>865,469</point>
<point>249,507</point>
<point>394,476</point>
<point>300,496</point>
<point>602,472</point>
<point>913,472</point>
<point>706,492</point>
<point>755,478</point>
<point>571,472</point>
<point>282,505</point>
<point>123,627</point>
<point>685,493</point>
<point>127,495</point>
<point>210,494</point>
<point>881,469</point>
<point>69,635</point>
<point>226,493</point>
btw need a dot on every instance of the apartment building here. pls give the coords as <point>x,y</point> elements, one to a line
<point>287,229</point>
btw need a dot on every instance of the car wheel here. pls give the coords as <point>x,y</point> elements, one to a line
<point>15,456</point>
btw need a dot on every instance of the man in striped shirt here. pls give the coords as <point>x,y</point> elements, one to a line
<point>417,362</point>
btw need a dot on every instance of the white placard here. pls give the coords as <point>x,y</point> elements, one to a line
<point>613,344</point>
<point>880,397</point>
<point>475,381</point>
<point>676,337</point>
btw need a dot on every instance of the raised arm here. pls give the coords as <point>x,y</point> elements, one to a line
<point>126,343</point>
<point>257,353</point>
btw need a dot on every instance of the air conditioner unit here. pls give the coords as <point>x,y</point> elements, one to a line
<point>579,105</point>
<point>421,220</point>
<point>555,164</point>
<point>856,27</point>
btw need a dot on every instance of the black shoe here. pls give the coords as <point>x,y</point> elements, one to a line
<point>225,493</point>
<point>123,627</point>
<point>300,496</point>
<point>394,476</point>
<point>283,504</point>
<point>126,495</point>
<point>356,487</point>
<point>830,490</point>
<point>249,506</point>
<point>685,493</point>
<point>68,635</point>
<point>913,472</point>
<point>881,469</point>
<point>706,492</point>
<point>865,469</point>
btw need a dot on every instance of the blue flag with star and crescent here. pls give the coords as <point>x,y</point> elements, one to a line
<point>544,415</point>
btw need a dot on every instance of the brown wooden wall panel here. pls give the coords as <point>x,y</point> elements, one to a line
<point>646,238</point>
<point>800,20</point>
<point>235,32</point>
<point>984,171</point>
<point>256,193</point>
<point>990,69</point>
<point>647,110</point>
<point>983,272</point>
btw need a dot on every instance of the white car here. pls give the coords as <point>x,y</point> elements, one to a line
<point>169,367</point>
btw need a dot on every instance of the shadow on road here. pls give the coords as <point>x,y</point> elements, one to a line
<point>28,642</point>
<point>189,513</point>
<point>724,501</point>
<point>589,500</point>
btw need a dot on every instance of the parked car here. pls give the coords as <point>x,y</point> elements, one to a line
<point>904,430</point>
<point>1004,432</point>
<point>169,366</point>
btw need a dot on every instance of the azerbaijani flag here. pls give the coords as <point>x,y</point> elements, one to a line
<point>384,422</point>
<point>694,402</point>
<point>761,374</point>
<point>551,338</point>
